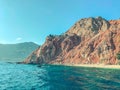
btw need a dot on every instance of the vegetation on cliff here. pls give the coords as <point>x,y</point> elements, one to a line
<point>118,56</point>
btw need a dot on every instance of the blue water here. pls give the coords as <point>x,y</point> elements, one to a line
<point>51,77</point>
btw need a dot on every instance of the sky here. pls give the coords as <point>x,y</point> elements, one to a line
<point>33,20</point>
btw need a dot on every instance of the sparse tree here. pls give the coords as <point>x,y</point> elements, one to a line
<point>118,56</point>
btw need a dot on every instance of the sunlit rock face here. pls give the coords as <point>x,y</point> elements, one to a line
<point>88,41</point>
<point>88,27</point>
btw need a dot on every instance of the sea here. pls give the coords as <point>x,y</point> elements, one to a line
<point>57,77</point>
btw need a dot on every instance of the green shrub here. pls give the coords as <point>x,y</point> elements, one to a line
<point>118,56</point>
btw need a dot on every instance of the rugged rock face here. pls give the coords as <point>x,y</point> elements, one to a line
<point>89,41</point>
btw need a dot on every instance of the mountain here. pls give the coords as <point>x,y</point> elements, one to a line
<point>16,52</point>
<point>88,41</point>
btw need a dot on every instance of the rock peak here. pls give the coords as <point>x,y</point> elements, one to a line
<point>93,25</point>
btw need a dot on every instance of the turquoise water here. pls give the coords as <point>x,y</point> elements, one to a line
<point>50,77</point>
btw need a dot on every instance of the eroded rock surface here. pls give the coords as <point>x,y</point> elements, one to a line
<point>89,41</point>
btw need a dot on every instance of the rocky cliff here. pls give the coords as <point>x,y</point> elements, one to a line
<point>88,41</point>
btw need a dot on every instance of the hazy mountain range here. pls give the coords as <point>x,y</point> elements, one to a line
<point>16,52</point>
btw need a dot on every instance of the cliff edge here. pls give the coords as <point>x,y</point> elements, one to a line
<point>88,41</point>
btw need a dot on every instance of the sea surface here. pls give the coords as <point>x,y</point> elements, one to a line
<point>52,77</point>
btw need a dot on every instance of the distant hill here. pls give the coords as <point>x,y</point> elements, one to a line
<point>16,52</point>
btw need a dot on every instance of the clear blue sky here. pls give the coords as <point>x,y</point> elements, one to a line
<point>33,20</point>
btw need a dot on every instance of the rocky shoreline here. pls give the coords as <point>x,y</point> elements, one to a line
<point>97,66</point>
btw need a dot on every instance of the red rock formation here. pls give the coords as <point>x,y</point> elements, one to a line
<point>89,41</point>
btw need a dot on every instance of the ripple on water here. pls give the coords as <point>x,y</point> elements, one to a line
<point>51,77</point>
